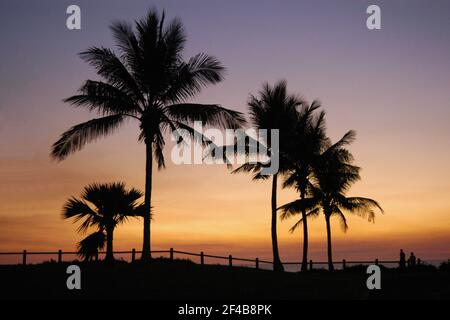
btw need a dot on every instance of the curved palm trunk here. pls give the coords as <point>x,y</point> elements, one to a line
<point>305,236</point>
<point>109,244</point>
<point>330,256</point>
<point>277,265</point>
<point>146,247</point>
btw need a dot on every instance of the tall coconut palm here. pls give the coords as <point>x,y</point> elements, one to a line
<point>102,206</point>
<point>149,82</point>
<point>333,174</point>
<point>273,108</point>
<point>307,143</point>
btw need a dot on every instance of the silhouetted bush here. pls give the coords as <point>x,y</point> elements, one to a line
<point>445,266</point>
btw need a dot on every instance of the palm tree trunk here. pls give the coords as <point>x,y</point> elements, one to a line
<point>305,236</point>
<point>330,255</point>
<point>277,265</point>
<point>109,244</point>
<point>146,247</point>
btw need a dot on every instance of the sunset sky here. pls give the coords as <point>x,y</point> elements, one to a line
<point>391,85</point>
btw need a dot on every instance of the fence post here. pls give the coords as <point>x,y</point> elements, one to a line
<point>24,257</point>
<point>133,255</point>
<point>343,264</point>
<point>310,265</point>
<point>171,254</point>
<point>257,263</point>
<point>376,261</point>
<point>230,260</point>
<point>202,258</point>
<point>59,256</point>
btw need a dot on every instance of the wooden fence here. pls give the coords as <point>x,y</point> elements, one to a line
<point>256,262</point>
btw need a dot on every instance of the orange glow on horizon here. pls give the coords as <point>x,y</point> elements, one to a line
<point>390,86</point>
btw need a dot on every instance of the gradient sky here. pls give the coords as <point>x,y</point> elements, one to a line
<point>391,86</point>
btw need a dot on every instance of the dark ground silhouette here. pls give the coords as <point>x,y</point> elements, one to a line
<point>164,280</point>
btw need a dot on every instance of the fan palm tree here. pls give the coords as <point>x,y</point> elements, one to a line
<point>147,81</point>
<point>103,206</point>
<point>307,143</point>
<point>273,108</point>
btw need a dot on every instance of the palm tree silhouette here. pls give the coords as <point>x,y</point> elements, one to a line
<point>307,143</point>
<point>334,174</point>
<point>103,206</point>
<point>147,81</point>
<point>273,108</point>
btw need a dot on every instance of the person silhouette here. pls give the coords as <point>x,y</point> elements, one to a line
<point>402,260</point>
<point>412,260</point>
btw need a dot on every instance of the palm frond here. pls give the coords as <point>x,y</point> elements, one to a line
<point>184,132</point>
<point>158,147</point>
<point>75,208</point>
<point>112,69</point>
<point>208,114</point>
<point>105,98</point>
<point>295,207</point>
<point>89,247</point>
<point>174,38</point>
<point>190,77</point>
<point>254,168</point>
<point>360,206</point>
<point>128,44</point>
<point>80,210</point>
<point>342,220</point>
<point>347,139</point>
<point>311,214</point>
<point>78,136</point>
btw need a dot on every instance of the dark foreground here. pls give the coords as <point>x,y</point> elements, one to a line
<point>179,280</point>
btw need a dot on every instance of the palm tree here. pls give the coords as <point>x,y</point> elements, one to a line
<point>333,176</point>
<point>147,81</point>
<point>273,108</point>
<point>308,142</point>
<point>103,206</point>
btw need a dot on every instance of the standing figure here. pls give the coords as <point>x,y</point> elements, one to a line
<point>402,260</point>
<point>413,260</point>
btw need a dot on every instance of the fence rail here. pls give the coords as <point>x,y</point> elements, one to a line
<point>59,254</point>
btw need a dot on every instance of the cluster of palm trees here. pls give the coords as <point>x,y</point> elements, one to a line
<point>148,81</point>
<point>319,170</point>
